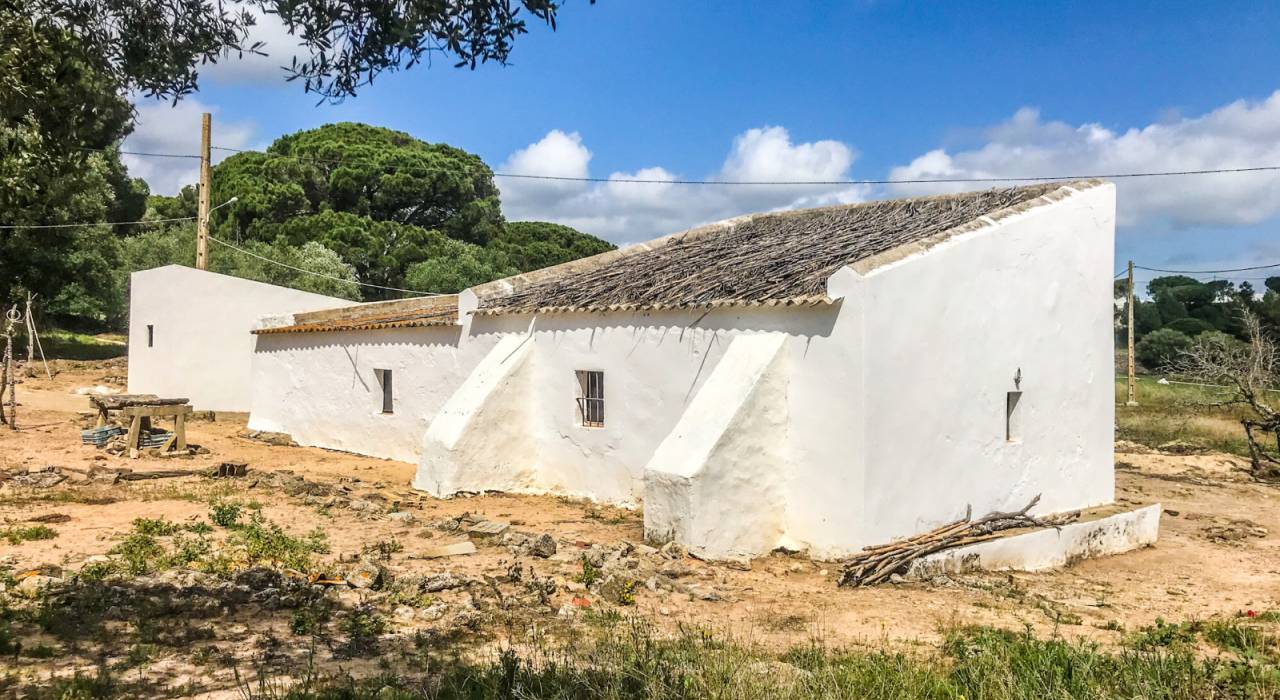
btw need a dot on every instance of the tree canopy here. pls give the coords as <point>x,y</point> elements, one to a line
<point>1181,310</point>
<point>352,202</point>
<point>58,103</point>
<point>402,213</point>
<point>158,48</point>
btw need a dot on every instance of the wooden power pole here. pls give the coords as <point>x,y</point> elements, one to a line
<point>1133,384</point>
<point>202,208</point>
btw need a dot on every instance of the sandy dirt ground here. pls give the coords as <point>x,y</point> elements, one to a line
<point>1218,553</point>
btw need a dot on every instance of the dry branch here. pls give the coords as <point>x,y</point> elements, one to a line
<point>875,564</point>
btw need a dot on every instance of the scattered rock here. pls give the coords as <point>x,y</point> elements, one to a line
<point>258,578</point>
<point>677,569</point>
<point>39,479</point>
<point>33,586</point>
<point>619,589</point>
<point>362,506</point>
<point>1126,446</point>
<point>673,550</point>
<point>543,546</point>
<point>50,518</point>
<point>488,528</point>
<point>1233,531</point>
<point>1182,447</point>
<point>738,564</point>
<point>402,517</point>
<point>441,582</point>
<point>1171,513</point>
<point>367,574</point>
<point>270,438</point>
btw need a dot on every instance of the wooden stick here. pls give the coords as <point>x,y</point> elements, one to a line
<point>878,563</point>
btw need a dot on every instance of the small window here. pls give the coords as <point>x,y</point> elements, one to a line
<point>151,335</point>
<point>384,379</point>
<point>1012,422</point>
<point>591,398</point>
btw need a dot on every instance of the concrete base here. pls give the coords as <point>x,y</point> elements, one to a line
<point>1048,548</point>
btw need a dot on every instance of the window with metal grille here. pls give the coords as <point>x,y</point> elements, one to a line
<point>384,379</point>
<point>591,398</point>
<point>1012,424</point>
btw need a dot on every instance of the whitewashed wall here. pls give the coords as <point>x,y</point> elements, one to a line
<point>321,388</point>
<point>894,397</point>
<point>948,330</point>
<point>202,347</point>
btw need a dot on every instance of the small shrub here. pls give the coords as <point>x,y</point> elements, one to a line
<point>590,573</point>
<point>362,626</point>
<point>1164,634</point>
<point>198,528</point>
<point>383,549</point>
<point>139,555</point>
<point>261,541</point>
<point>310,619</point>
<point>19,534</point>
<point>225,513</point>
<point>156,527</point>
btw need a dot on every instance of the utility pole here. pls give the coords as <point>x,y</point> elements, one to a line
<point>202,209</point>
<point>1133,384</point>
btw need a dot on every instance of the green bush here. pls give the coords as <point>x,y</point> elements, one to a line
<point>19,534</point>
<point>1159,349</point>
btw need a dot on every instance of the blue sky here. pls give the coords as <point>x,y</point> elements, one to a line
<point>840,90</point>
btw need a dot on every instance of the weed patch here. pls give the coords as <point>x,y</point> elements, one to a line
<point>18,534</point>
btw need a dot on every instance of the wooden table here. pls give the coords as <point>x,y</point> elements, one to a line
<point>140,409</point>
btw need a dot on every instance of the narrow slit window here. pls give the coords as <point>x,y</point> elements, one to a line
<point>151,335</point>
<point>1012,416</point>
<point>591,398</point>
<point>388,397</point>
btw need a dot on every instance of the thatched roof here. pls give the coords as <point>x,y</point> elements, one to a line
<point>782,258</point>
<point>401,313</point>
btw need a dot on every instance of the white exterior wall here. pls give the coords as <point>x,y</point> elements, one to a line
<point>202,343</point>
<point>893,399</point>
<point>654,364</point>
<point>321,388</point>
<point>948,329</point>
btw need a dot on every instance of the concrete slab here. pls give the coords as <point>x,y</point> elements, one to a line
<point>1049,548</point>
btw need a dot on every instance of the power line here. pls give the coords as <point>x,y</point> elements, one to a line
<point>98,223</point>
<point>654,181</point>
<point>1208,272</point>
<point>141,153</point>
<point>321,274</point>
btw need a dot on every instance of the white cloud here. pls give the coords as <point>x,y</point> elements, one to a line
<point>628,212</point>
<point>1240,134</point>
<point>279,46</point>
<point>164,128</point>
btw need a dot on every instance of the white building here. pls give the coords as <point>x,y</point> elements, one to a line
<point>189,332</point>
<point>820,379</point>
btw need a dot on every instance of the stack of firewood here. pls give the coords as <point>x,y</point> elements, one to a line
<point>876,564</point>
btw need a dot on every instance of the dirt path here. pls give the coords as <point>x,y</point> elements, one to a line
<point>1218,552</point>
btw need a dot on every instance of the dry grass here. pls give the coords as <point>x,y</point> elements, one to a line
<point>1169,412</point>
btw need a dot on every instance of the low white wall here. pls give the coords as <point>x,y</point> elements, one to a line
<point>1049,548</point>
<point>201,321</point>
<point>322,389</point>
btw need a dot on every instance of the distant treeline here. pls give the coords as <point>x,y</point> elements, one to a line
<point>1179,311</point>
